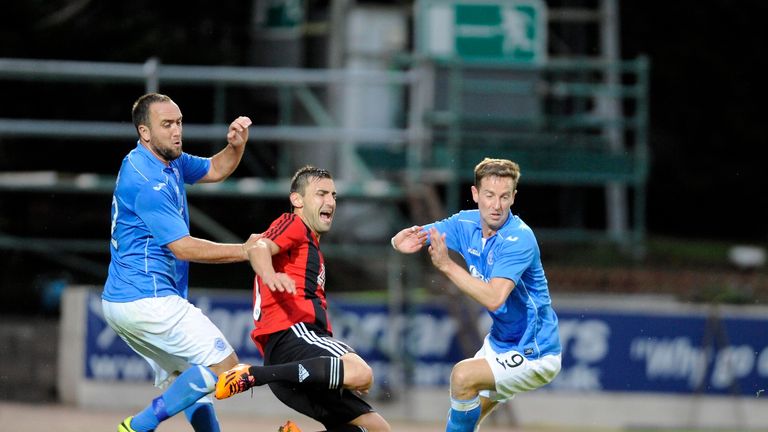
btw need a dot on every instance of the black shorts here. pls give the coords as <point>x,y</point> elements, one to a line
<point>303,341</point>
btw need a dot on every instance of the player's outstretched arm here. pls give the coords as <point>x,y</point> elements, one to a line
<point>409,240</point>
<point>199,250</point>
<point>224,162</point>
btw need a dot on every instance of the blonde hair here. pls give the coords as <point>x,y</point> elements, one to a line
<point>497,167</point>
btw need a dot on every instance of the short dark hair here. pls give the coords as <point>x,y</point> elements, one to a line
<point>497,167</point>
<point>304,174</point>
<point>140,110</point>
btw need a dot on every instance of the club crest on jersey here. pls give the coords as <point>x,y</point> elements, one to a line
<point>321,277</point>
<point>489,260</point>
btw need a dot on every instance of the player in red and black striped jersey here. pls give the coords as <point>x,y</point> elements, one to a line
<point>304,365</point>
<point>300,258</point>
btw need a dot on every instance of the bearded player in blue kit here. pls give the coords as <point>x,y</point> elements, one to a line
<point>522,350</point>
<point>145,295</point>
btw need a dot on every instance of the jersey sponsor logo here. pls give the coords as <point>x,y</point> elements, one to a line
<point>473,251</point>
<point>513,239</point>
<point>303,374</point>
<point>476,273</point>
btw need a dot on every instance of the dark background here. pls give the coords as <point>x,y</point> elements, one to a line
<point>708,62</point>
<point>707,128</point>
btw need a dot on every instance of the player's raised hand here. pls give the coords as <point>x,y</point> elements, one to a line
<point>238,131</point>
<point>409,240</point>
<point>438,251</point>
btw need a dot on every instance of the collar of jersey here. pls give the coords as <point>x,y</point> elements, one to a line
<point>153,160</point>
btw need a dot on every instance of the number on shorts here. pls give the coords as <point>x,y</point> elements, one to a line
<point>510,361</point>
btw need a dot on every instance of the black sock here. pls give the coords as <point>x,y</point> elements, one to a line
<point>327,372</point>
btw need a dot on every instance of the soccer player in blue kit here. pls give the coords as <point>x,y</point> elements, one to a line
<point>504,274</point>
<point>145,295</point>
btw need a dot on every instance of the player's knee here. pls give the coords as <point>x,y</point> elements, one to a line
<point>381,426</point>
<point>461,379</point>
<point>363,376</point>
<point>357,374</point>
<point>373,422</point>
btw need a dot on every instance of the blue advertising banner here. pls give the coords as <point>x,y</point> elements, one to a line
<point>606,350</point>
<point>671,353</point>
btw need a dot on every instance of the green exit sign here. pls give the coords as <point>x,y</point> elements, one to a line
<point>513,30</point>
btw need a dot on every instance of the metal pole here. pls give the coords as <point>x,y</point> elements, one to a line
<point>151,67</point>
<point>615,193</point>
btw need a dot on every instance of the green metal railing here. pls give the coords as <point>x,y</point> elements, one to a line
<point>567,137</point>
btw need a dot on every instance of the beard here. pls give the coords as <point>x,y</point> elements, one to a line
<point>168,154</point>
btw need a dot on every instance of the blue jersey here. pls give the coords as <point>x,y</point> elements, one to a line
<point>149,210</point>
<point>526,322</point>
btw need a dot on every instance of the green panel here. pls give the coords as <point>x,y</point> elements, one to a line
<point>484,47</point>
<point>543,164</point>
<point>478,31</point>
<point>487,15</point>
<point>547,166</point>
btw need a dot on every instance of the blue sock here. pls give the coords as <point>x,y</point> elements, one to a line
<point>202,417</point>
<point>185,390</point>
<point>463,415</point>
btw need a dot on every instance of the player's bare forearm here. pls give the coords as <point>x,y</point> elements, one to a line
<point>473,287</point>
<point>198,250</point>
<point>223,163</point>
<point>491,294</point>
<point>260,258</point>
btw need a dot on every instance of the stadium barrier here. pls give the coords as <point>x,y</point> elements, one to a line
<point>628,362</point>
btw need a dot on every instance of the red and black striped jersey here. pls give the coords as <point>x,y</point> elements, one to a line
<point>301,259</point>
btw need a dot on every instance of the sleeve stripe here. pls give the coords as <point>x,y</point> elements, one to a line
<point>282,223</point>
